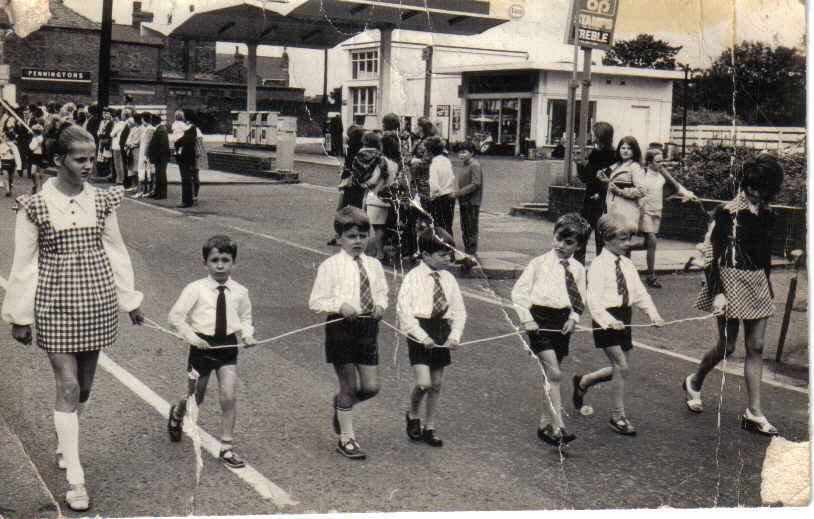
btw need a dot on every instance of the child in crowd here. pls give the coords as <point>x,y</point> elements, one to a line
<point>10,161</point>
<point>431,311</point>
<point>469,195</point>
<point>351,286</point>
<point>738,286</point>
<point>614,288</point>
<point>37,149</point>
<point>550,294</point>
<point>380,195</point>
<point>214,311</point>
<point>70,277</point>
<point>651,205</point>
<point>442,185</point>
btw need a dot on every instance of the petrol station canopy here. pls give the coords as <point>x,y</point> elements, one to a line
<point>321,24</point>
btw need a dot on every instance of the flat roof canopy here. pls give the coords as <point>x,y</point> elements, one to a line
<point>320,24</point>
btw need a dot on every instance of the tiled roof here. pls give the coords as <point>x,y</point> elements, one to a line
<point>129,34</point>
<point>63,17</point>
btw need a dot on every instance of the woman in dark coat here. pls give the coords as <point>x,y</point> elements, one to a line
<point>602,156</point>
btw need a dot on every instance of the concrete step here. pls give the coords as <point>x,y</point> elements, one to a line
<point>533,210</point>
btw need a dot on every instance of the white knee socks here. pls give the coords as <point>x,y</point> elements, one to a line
<point>67,427</point>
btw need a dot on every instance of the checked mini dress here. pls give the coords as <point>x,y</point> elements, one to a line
<point>75,304</point>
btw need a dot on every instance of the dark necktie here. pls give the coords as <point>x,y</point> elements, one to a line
<point>573,292</point>
<point>220,313</point>
<point>621,284</point>
<point>439,300</point>
<point>365,297</point>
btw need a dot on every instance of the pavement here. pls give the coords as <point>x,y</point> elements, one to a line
<point>491,460</point>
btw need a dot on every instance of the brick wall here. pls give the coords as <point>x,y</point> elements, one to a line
<point>687,222</point>
<point>54,48</point>
<point>128,60</point>
<point>200,56</point>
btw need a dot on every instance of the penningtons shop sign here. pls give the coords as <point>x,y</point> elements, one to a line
<point>70,76</point>
<point>56,81</point>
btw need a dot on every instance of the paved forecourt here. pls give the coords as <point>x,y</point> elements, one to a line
<point>489,405</point>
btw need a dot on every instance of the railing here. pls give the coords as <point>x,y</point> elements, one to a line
<point>763,137</point>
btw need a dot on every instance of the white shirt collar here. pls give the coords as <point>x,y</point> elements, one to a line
<point>85,198</point>
<point>213,284</point>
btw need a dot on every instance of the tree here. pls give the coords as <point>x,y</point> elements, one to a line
<point>643,51</point>
<point>769,84</point>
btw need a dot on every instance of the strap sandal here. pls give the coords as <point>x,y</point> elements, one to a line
<point>350,449</point>
<point>653,282</point>
<point>77,498</point>
<point>174,425</point>
<point>579,394</point>
<point>757,424</point>
<point>431,439</point>
<point>548,435</point>
<point>413,427</point>
<point>230,459</point>
<point>622,426</point>
<point>691,396</point>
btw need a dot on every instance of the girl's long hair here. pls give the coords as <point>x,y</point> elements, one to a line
<point>634,145</point>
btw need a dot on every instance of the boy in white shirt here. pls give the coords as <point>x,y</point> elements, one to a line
<point>614,288</point>
<point>431,311</point>
<point>214,312</point>
<point>351,286</point>
<point>442,185</point>
<point>550,295</point>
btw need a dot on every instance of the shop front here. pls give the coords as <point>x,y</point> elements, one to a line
<point>498,111</point>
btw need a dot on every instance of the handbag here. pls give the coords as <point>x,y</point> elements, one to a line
<point>201,158</point>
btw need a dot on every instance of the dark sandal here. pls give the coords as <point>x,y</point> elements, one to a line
<point>174,425</point>
<point>232,461</point>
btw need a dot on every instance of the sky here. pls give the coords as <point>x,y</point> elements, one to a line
<point>704,28</point>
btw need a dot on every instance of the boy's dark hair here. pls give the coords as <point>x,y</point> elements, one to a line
<point>222,244</point>
<point>390,122</point>
<point>349,217</point>
<point>372,140</point>
<point>764,174</point>
<point>634,145</point>
<point>435,145</point>
<point>573,225</point>
<point>430,241</point>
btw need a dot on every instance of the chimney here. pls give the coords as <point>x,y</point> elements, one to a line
<point>140,16</point>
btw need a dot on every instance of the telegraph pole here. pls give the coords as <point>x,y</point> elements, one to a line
<point>104,54</point>
<point>427,55</point>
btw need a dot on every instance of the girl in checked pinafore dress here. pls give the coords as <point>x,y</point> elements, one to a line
<point>71,274</point>
<point>738,287</point>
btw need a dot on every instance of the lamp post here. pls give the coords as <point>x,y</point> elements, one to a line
<point>685,101</point>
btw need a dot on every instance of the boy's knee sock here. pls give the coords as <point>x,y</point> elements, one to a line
<point>84,396</point>
<point>345,416</point>
<point>67,427</point>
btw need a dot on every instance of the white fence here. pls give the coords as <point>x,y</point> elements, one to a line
<point>763,137</point>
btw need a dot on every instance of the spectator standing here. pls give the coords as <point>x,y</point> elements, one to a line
<point>159,154</point>
<point>441,185</point>
<point>187,162</point>
<point>469,195</point>
<point>104,155</point>
<point>132,150</point>
<point>119,122</point>
<point>593,205</point>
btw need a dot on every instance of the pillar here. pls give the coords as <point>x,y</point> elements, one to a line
<point>385,51</point>
<point>251,78</point>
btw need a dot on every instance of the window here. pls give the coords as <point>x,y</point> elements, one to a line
<point>557,111</point>
<point>364,101</point>
<point>365,64</point>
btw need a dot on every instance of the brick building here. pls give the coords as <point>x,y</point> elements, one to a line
<point>60,62</point>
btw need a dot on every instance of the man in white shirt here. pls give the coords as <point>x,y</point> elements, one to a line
<point>442,185</point>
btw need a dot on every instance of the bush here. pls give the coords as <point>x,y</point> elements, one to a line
<point>711,170</point>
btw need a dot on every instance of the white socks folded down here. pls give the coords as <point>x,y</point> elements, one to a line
<point>67,427</point>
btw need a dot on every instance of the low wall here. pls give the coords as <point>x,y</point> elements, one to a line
<point>248,165</point>
<point>687,222</point>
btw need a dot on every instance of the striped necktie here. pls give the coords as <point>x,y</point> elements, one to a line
<point>573,292</point>
<point>439,300</point>
<point>365,296</point>
<point>621,284</point>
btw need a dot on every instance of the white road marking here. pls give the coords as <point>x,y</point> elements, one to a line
<point>154,206</point>
<point>315,187</point>
<point>262,485</point>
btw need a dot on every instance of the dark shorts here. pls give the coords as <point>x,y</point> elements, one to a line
<point>608,338</point>
<point>352,342</point>
<point>205,361</point>
<point>436,358</point>
<point>551,319</point>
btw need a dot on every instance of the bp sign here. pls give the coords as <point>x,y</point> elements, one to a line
<point>594,22</point>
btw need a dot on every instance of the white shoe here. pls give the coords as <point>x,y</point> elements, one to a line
<point>77,498</point>
<point>692,397</point>
<point>758,424</point>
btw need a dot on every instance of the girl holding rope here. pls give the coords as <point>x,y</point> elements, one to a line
<point>738,286</point>
<point>71,274</point>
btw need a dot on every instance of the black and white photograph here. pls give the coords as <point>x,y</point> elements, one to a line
<point>324,258</point>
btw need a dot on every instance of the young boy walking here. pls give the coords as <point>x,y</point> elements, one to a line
<point>351,286</point>
<point>431,311</point>
<point>550,295</point>
<point>614,288</point>
<point>214,312</point>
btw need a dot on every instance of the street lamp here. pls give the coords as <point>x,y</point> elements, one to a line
<point>687,70</point>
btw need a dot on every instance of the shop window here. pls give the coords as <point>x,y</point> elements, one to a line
<point>502,124</point>
<point>365,64</point>
<point>364,101</point>
<point>557,110</point>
